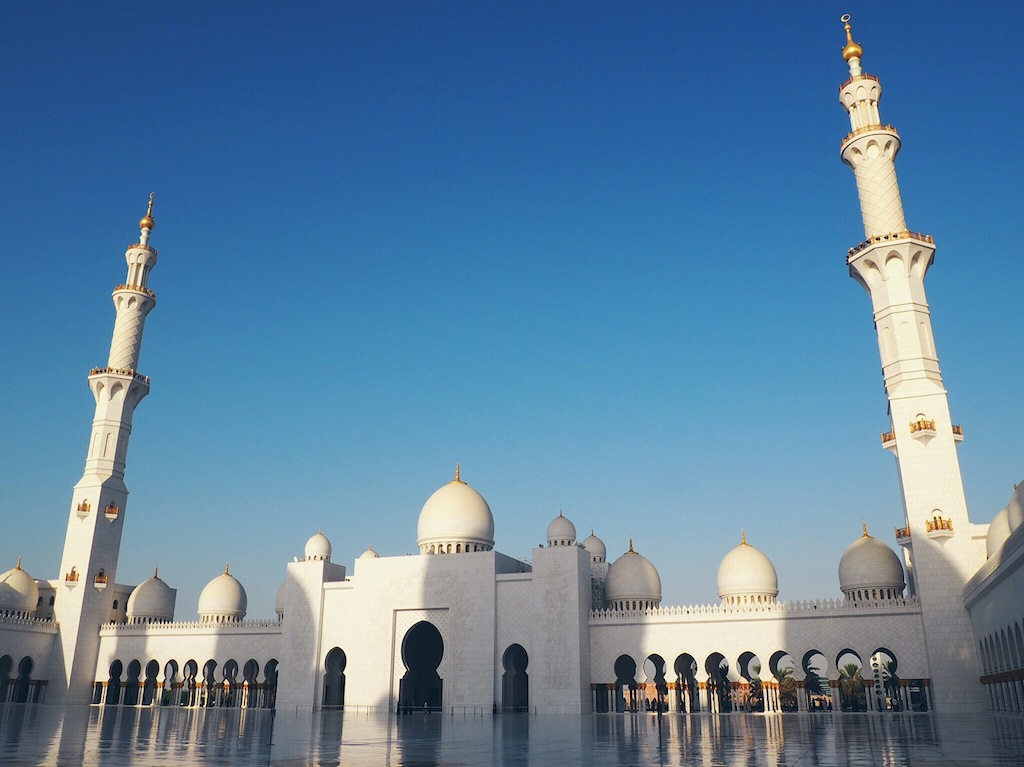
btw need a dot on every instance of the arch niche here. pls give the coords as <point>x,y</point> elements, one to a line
<point>515,682</point>
<point>334,678</point>
<point>421,688</point>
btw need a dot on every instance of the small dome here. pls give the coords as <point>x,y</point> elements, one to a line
<point>279,602</point>
<point>152,601</point>
<point>18,591</point>
<point>369,554</point>
<point>318,548</point>
<point>870,570</point>
<point>1015,508</point>
<point>223,599</point>
<point>632,578</point>
<point>595,547</point>
<point>561,532</point>
<point>998,532</point>
<point>456,518</point>
<point>747,576</point>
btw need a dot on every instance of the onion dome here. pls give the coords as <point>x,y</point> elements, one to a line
<point>454,520</point>
<point>318,548</point>
<point>279,602</point>
<point>18,592</point>
<point>852,50</point>
<point>746,576</point>
<point>998,532</point>
<point>1015,508</point>
<point>369,554</point>
<point>595,547</point>
<point>223,600</point>
<point>152,601</point>
<point>561,532</point>
<point>632,583</point>
<point>870,570</point>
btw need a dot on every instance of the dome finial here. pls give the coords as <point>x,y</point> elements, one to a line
<point>631,544</point>
<point>147,222</point>
<point>743,537</point>
<point>458,472</point>
<point>852,50</point>
<point>865,526</point>
<point>227,570</point>
<point>156,571</point>
<point>18,566</point>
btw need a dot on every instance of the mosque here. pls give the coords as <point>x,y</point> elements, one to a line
<point>463,627</point>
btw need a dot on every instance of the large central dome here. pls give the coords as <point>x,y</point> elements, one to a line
<point>455,520</point>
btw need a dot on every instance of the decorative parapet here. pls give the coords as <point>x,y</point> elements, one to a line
<point>903,535</point>
<point>83,509</point>
<point>808,607</point>
<point>904,235</point>
<point>23,619</point>
<point>142,246</point>
<point>120,372</point>
<point>112,511</point>
<point>100,581</point>
<point>888,436</point>
<point>71,578</point>
<point>268,626</point>
<point>921,425</point>
<point>137,288</point>
<point>861,76</point>
<point>958,433</point>
<point>866,129</point>
<point>937,527</point>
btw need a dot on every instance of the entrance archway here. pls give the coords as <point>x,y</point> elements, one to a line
<point>421,687</point>
<point>625,684</point>
<point>334,678</point>
<point>515,682</point>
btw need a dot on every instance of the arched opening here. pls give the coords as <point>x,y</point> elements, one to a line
<point>687,688</point>
<point>149,684</point>
<point>625,684</point>
<point>189,695</point>
<point>783,669</point>
<point>131,687</point>
<point>655,686</point>
<point>23,684</point>
<point>421,687</point>
<point>269,697</point>
<point>250,671</point>
<point>816,687</point>
<point>172,687</point>
<point>751,692</point>
<point>113,696</point>
<point>229,686</point>
<point>886,687</point>
<point>515,682</point>
<point>852,695</point>
<point>334,678</point>
<point>209,691</point>
<point>719,692</point>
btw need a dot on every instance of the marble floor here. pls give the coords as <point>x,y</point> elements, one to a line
<point>45,735</point>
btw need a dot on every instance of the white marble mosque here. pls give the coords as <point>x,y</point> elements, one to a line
<point>462,626</point>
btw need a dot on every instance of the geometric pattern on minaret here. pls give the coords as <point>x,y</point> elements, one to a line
<point>93,540</point>
<point>940,549</point>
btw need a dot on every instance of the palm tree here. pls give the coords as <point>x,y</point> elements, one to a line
<point>851,688</point>
<point>787,689</point>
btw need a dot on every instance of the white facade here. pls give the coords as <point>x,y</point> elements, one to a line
<point>461,626</point>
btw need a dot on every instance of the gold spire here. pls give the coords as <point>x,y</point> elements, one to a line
<point>18,566</point>
<point>156,572</point>
<point>227,571</point>
<point>457,474</point>
<point>743,537</point>
<point>631,545</point>
<point>865,526</point>
<point>147,222</point>
<point>852,50</point>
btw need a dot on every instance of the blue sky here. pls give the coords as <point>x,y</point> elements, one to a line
<point>594,252</point>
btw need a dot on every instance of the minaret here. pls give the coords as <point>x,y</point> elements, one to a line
<point>891,265</point>
<point>99,500</point>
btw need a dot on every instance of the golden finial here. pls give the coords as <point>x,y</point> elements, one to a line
<point>865,526</point>
<point>147,222</point>
<point>227,571</point>
<point>457,473</point>
<point>852,50</point>
<point>18,566</point>
<point>156,572</point>
<point>560,512</point>
<point>743,537</point>
<point>631,545</point>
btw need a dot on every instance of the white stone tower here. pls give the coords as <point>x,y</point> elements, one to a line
<point>99,500</point>
<point>940,545</point>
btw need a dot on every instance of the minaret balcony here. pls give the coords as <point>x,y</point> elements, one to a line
<point>111,512</point>
<point>903,535</point>
<point>142,246</point>
<point>861,76</point>
<point>890,237</point>
<point>127,372</point>
<point>137,289</point>
<point>878,128</point>
<point>938,528</point>
<point>83,509</point>
<point>71,579</point>
<point>922,428</point>
<point>958,433</point>
<point>100,582</point>
<point>889,439</point>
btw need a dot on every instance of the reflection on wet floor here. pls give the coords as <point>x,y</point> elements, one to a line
<point>34,735</point>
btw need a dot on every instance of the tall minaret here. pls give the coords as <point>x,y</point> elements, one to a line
<point>941,550</point>
<point>99,500</point>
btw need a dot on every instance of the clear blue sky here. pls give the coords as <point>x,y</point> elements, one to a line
<point>593,251</point>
